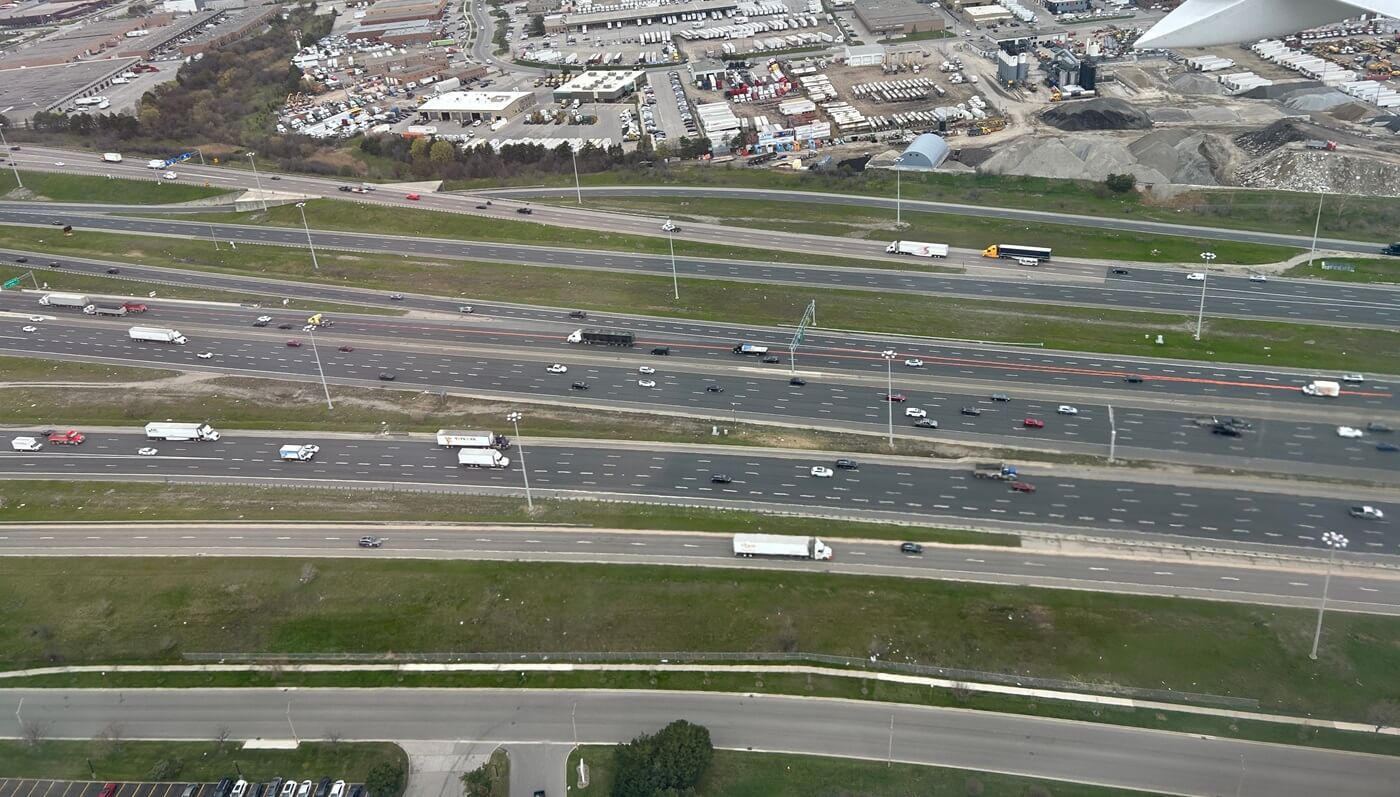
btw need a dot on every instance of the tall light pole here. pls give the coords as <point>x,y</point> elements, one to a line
<point>675,282</point>
<point>1317,225</point>
<point>898,199</point>
<point>514,418</point>
<point>573,155</point>
<point>317,354</point>
<point>1206,257</point>
<point>889,356</point>
<point>1333,541</point>
<point>302,207</point>
<point>13,164</point>
<point>1112,435</point>
<point>254,161</point>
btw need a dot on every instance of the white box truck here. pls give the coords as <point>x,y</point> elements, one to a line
<point>293,452</point>
<point>447,438</point>
<point>917,249</point>
<point>155,164</point>
<point>782,545</point>
<point>112,157</point>
<point>482,458</point>
<point>26,444</point>
<point>1322,388</point>
<point>167,430</point>
<point>158,335</point>
<point>65,300</point>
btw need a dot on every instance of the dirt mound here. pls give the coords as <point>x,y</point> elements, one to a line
<point>1162,156</point>
<point>1100,113</point>
<point>1195,83</point>
<point>1258,142</point>
<point>1312,171</point>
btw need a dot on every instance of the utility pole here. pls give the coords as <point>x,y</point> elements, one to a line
<point>889,356</point>
<point>1333,541</point>
<point>302,207</point>
<point>514,418</point>
<point>1112,434</point>
<point>1317,225</point>
<point>1206,257</point>
<point>261,195</point>
<point>675,282</point>
<point>317,354</point>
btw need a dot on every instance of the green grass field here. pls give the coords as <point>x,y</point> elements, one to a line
<point>40,501</point>
<point>26,369</point>
<point>959,231</point>
<point>114,610</point>
<point>1364,269</point>
<point>742,774</point>
<point>192,762</point>
<point>57,187</point>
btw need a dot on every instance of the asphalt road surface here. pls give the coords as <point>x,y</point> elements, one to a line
<point>639,472</point>
<point>1298,301</point>
<point>1260,581</point>
<point>1064,376</point>
<point>734,387</point>
<point>1115,756</point>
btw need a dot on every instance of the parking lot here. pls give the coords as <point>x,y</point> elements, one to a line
<point>25,787</point>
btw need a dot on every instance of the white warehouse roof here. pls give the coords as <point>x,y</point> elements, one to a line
<point>1204,23</point>
<point>472,101</point>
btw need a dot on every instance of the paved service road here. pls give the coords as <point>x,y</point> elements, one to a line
<point>1114,756</point>
<point>603,469</point>
<point>1263,581</point>
<point>741,387</point>
<point>1346,304</point>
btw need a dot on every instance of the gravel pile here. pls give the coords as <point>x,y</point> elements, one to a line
<point>1099,113</point>
<point>1196,83</point>
<point>1164,156</point>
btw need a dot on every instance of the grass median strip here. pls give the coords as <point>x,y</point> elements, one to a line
<point>112,758</point>
<point>1056,326</point>
<point>26,369</point>
<point>57,187</point>
<point>354,217</point>
<point>103,610</point>
<point>1349,269</point>
<point>959,231</point>
<point>55,501</point>
<point>734,773</point>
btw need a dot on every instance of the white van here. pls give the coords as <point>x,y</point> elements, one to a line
<point>1027,261</point>
<point>26,444</point>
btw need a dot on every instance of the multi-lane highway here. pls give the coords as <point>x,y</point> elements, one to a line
<point>911,489</point>
<point>1116,756</point>
<point>476,357</point>
<point>1295,301</point>
<point>1266,580</point>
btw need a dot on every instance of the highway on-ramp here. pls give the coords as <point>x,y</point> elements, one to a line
<point>1236,578</point>
<point>1117,756</point>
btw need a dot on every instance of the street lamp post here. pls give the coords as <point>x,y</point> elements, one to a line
<point>256,177</point>
<point>1333,541</point>
<point>573,155</point>
<point>317,354</point>
<point>13,164</point>
<point>898,199</point>
<point>514,418</point>
<point>889,356</point>
<point>1317,225</point>
<point>675,282</point>
<point>302,207</point>
<point>1206,257</point>
<point>1112,435</point>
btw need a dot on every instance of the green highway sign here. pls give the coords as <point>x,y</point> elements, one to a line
<point>12,283</point>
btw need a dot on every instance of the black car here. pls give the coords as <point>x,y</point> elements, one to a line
<point>579,386</point>
<point>480,207</point>
<point>55,264</point>
<point>345,188</point>
<point>190,790</point>
<point>713,389</point>
<point>1239,423</point>
<point>274,787</point>
<point>1000,397</point>
<point>1120,272</point>
<point>1133,379</point>
<point>973,411</point>
<point>222,788</point>
<point>847,464</point>
<point>926,423</point>
<point>1377,426</point>
<point>526,211</point>
<point>386,377</point>
<point>114,271</point>
<point>57,223</point>
<point>772,359</point>
<point>577,314</point>
<point>259,323</point>
<point>911,547</point>
<point>324,788</point>
<point>259,791</point>
<point>21,260</point>
<point>797,381</point>
<point>661,351</point>
<point>1227,430</point>
<point>1387,447</point>
<point>357,791</point>
<point>286,326</point>
<point>720,478</point>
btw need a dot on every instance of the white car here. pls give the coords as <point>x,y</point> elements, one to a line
<point>668,226</point>
<point>646,383</point>
<point>205,355</point>
<point>36,318</point>
<point>30,329</point>
<point>59,163</point>
<point>821,472</point>
<point>1349,432</point>
<point>313,449</point>
<point>263,319</point>
<point>338,789</point>
<point>309,328</point>
<point>1066,409</point>
<point>1258,278</point>
<point>1345,377</point>
<point>147,452</point>
<point>558,369</point>
<point>170,175</point>
<point>1196,276</point>
<point>1366,512</point>
<point>914,363</point>
<point>646,369</point>
<point>914,412</point>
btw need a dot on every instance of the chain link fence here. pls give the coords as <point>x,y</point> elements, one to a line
<point>774,658</point>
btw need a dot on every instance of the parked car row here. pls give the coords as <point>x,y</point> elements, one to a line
<point>278,787</point>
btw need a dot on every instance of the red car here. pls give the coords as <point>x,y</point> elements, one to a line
<point>1033,423</point>
<point>295,344</point>
<point>72,437</point>
<point>108,791</point>
<point>1023,487</point>
<point>893,397</point>
<point>347,348</point>
<point>414,197</point>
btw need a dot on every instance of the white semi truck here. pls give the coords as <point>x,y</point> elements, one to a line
<point>1322,388</point>
<point>917,249</point>
<point>295,452</point>
<point>781,545</point>
<point>167,430</point>
<point>447,438</point>
<point>65,300</point>
<point>482,458</point>
<point>158,335</point>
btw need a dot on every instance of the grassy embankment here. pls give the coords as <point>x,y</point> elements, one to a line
<point>1055,326</point>
<point>57,187</point>
<point>1364,269</point>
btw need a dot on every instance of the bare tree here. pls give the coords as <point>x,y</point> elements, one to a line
<point>333,736</point>
<point>221,736</point>
<point>34,732</point>
<point>111,738</point>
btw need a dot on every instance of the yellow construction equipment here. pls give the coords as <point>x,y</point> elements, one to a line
<point>1055,95</point>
